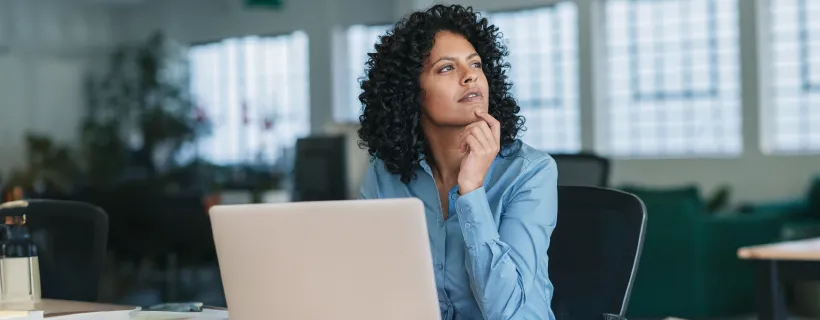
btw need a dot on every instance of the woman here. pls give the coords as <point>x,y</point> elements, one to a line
<point>441,126</point>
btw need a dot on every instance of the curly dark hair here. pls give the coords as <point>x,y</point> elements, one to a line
<point>391,97</point>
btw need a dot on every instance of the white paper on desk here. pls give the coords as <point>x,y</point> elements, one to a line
<point>101,315</point>
<point>15,315</point>
<point>206,314</point>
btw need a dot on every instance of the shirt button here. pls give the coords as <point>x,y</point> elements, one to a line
<point>467,225</point>
<point>453,196</point>
<point>439,266</point>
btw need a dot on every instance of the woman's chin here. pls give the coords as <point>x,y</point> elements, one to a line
<point>462,119</point>
<point>481,107</point>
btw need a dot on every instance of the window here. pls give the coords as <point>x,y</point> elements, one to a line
<point>254,90</point>
<point>543,47</point>
<point>673,78</point>
<point>795,44</point>
<point>359,41</point>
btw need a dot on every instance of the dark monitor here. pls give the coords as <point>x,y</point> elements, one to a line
<point>320,167</point>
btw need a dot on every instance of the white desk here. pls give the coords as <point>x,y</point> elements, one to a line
<point>75,310</point>
<point>778,263</point>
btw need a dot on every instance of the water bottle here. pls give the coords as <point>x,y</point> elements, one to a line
<point>19,263</point>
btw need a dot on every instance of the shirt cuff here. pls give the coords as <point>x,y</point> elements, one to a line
<point>476,219</point>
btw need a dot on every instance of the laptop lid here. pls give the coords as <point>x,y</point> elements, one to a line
<point>354,259</point>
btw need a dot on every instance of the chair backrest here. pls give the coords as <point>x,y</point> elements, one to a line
<point>71,239</point>
<point>594,251</point>
<point>320,169</point>
<point>583,169</point>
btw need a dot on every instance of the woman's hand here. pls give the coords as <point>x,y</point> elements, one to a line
<point>481,141</point>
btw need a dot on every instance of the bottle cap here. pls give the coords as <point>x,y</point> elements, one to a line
<point>14,219</point>
<point>14,204</point>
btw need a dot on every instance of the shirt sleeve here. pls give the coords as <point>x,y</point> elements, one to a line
<point>502,260</point>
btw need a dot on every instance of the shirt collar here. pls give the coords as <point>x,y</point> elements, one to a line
<point>424,165</point>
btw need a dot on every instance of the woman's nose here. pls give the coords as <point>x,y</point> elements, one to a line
<point>469,77</point>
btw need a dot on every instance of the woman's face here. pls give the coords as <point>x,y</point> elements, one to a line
<point>452,82</point>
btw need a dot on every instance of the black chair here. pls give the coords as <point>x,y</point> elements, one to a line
<point>582,169</point>
<point>594,251</point>
<point>320,169</point>
<point>71,239</point>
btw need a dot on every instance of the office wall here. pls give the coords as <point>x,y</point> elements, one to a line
<point>753,176</point>
<point>46,46</point>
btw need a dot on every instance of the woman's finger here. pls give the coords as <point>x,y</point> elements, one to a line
<point>478,133</point>
<point>472,143</point>
<point>491,142</point>
<point>495,126</point>
<point>467,129</point>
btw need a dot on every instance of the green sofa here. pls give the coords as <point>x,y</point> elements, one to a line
<point>688,266</point>
<point>802,215</point>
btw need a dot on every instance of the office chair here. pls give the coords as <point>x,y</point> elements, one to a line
<point>583,169</point>
<point>186,238</point>
<point>320,169</point>
<point>594,252</point>
<point>71,239</point>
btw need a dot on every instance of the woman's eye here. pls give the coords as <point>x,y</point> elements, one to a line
<point>476,64</point>
<point>445,69</point>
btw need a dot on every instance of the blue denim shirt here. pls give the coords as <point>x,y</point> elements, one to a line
<point>490,254</point>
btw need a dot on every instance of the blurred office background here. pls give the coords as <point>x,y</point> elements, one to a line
<point>709,110</point>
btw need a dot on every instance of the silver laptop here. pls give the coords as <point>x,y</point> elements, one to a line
<point>357,259</point>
